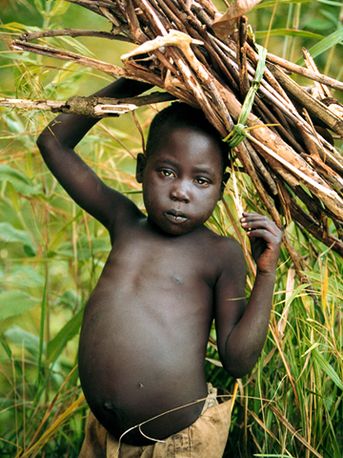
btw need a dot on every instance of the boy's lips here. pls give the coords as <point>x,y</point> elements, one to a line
<point>175,217</point>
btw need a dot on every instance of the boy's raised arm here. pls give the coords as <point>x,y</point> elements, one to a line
<point>242,328</point>
<point>56,144</point>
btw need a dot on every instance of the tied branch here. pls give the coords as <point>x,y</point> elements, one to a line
<point>96,107</point>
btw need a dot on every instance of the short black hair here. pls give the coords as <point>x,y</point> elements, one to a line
<point>181,115</point>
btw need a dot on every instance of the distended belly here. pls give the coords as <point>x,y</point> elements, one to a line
<point>133,368</point>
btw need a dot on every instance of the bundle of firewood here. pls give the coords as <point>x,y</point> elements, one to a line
<point>207,60</point>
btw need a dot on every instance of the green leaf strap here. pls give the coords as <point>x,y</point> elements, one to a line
<point>238,133</point>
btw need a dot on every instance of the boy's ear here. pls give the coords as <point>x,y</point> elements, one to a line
<point>140,166</point>
<point>226,177</point>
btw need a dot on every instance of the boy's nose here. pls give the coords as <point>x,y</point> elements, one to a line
<point>180,193</point>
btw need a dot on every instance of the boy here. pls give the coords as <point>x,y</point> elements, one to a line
<point>146,324</point>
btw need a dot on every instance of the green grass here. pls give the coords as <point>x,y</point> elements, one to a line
<point>51,254</point>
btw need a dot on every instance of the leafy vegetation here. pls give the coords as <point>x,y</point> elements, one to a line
<point>51,254</point>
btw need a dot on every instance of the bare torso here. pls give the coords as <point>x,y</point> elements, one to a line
<point>145,331</point>
<point>146,325</point>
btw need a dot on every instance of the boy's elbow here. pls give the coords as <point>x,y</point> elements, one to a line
<point>41,141</point>
<point>45,141</point>
<point>236,371</point>
<point>239,366</point>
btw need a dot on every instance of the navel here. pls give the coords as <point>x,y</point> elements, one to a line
<point>177,280</point>
<point>108,405</point>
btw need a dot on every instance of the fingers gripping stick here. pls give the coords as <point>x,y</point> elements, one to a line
<point>265,238</point>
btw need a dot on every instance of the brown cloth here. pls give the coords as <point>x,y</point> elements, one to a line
<point>205,438</point>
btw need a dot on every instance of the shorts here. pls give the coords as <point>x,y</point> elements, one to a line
<point>205,438</point>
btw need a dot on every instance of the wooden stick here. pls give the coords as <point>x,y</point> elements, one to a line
<point>312,105</point>
<point>114,70</point>
<point>28,36</point>
<point>309,61</point>
<point>294,68</point>
<point>88,106</point>
<point>111,69</point>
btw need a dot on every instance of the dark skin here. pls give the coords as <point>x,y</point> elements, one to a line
<point>146,324</point>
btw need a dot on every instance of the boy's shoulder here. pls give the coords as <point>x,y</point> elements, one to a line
<point>228,259</point>
<point>226,242</point>
<point>225,247</point>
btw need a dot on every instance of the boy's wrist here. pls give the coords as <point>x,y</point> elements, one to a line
<point>124,87</point>
<point>266,274</point>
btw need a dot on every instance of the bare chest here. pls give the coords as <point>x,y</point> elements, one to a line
<point>160,263</point>
<point>157,279</point>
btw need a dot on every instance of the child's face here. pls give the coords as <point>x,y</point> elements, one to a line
<point>182,181</point>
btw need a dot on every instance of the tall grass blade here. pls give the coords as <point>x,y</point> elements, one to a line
<point>335,38</point>
<point>58,343</point>
<point>327,368</point>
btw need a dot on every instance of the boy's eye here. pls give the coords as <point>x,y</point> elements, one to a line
<point>166,173</point>
<point>202,181</point>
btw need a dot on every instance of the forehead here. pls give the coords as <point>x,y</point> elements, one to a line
<point>189,145</point>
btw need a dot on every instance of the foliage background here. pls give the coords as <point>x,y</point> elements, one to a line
<point>51,254</point>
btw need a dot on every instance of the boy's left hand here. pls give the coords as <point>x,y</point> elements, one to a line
<point>265,238</point>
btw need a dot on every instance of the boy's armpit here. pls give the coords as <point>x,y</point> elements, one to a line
<point>117,211</point>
